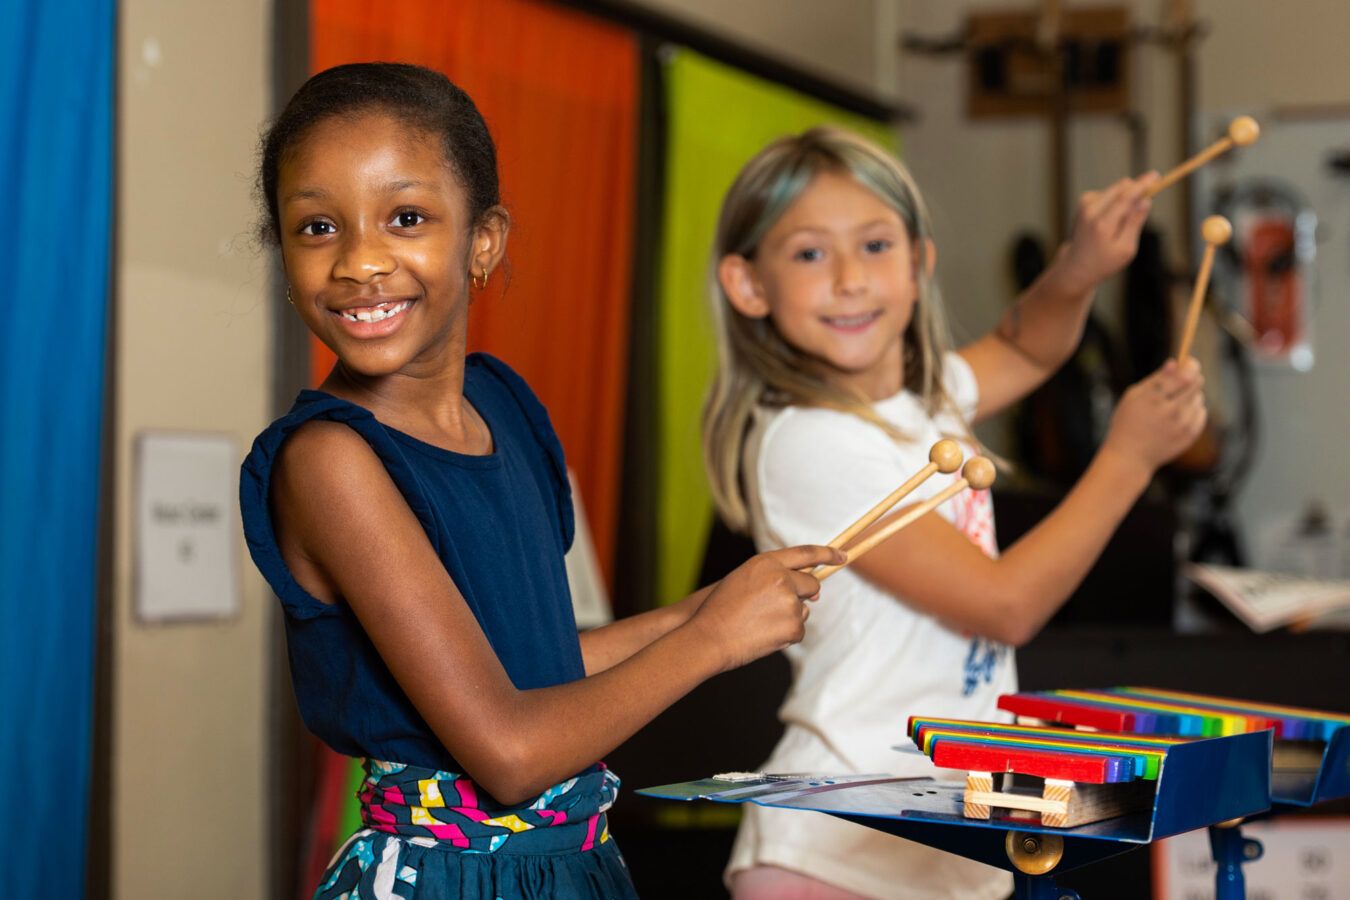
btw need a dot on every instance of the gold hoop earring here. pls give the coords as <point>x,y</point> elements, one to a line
<point>288,295</point>
<point>479,284</point>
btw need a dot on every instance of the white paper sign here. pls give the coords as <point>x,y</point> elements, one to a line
<point>186,495</point>
<point>1306,858</point>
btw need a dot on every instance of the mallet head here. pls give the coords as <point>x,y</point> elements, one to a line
<point>979,472</point>
<point>947,454</point>
<point>1244,131</point>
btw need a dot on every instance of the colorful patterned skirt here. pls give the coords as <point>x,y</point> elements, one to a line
<point>434,834</point>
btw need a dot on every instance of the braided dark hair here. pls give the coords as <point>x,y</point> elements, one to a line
<point>418,96</point>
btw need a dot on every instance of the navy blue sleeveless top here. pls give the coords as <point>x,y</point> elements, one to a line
<point>500,524</point>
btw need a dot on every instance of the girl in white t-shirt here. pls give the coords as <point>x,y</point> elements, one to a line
<point>835,377</point>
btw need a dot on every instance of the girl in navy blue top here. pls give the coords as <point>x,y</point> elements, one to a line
<point>413,513</point>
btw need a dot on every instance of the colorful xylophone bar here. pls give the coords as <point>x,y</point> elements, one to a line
<point>1291,723</point>
<point>1160,712</point>
<point>1043,751</point>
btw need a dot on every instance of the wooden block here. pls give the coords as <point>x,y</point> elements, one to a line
<point>1092,802</point>
<point>1063,804</point>
<point>1011,801</point>
<point>977,783</point>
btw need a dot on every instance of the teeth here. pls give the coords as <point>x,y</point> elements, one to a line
<point>377,315</point>
<point>852,321</point>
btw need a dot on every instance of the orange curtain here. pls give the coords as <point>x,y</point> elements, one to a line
<point>559,90</point>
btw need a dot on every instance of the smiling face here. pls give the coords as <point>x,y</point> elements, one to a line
<point>835,274</point>
<point>377,244</point>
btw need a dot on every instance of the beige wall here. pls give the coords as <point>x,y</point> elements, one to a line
<point>1283,61</point>
<point>837,39</point>
<point>192,353</point>
<point>986,179</point>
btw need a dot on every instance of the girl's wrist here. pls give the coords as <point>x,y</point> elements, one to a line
<point>701,651</point>
<point>1067,277</point>
<point>690,604</point>
<point>1129,471</point>
<point>681,613</point>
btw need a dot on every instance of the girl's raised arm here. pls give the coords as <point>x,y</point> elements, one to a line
<point>1042,328</point>
<point>347,533</point>
<point>934,567</point>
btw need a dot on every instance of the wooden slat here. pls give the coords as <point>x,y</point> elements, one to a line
<point>1213,723</point>
<point>1048,709</point>
<point>1095,802</point>
<point>918,723</point>
<point>1060,804</point>
<point>977,783</point>
<point>1268,708</point>
<point>1195,724</point>
<point>1092,768</point>
<point>1145,762</point>
<point>1292,722</point>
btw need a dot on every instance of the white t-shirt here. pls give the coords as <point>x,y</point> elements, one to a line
<point>868,660</point>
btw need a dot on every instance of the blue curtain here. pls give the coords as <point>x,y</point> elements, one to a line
<point>56,97</point>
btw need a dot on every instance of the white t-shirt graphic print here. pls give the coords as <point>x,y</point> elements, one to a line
<point>868,660</point>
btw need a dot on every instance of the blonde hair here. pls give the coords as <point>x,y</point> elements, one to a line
<point>755,364</point>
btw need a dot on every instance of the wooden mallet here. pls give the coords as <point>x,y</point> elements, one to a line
<point>1241,131</point>
<point>945,456</point>
<point>978,473</point>
<point>1215,230</point>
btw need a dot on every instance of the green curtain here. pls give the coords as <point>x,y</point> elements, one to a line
<point>717,119</point>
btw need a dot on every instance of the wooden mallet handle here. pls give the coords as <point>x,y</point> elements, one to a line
<point>945,456</point>
<point>1215,230</point>
<point>1241,131</point>
<point>978,473</point>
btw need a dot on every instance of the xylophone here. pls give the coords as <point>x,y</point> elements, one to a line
<point>1310,761</point>
<point>1181,785</point>
<point>1060,777</point>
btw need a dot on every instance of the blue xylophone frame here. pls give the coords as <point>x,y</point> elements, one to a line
<point>1200,783</point>
<point>1331,782</point>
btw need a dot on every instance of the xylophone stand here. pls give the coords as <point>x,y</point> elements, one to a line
<point>1039,887</point>
<point>1230,850</point>
<point>1034,857</point>
<point>1199,782</point>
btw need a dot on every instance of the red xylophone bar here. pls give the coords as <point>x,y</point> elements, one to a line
<point>949,753</point>
<point>1047,709</point>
